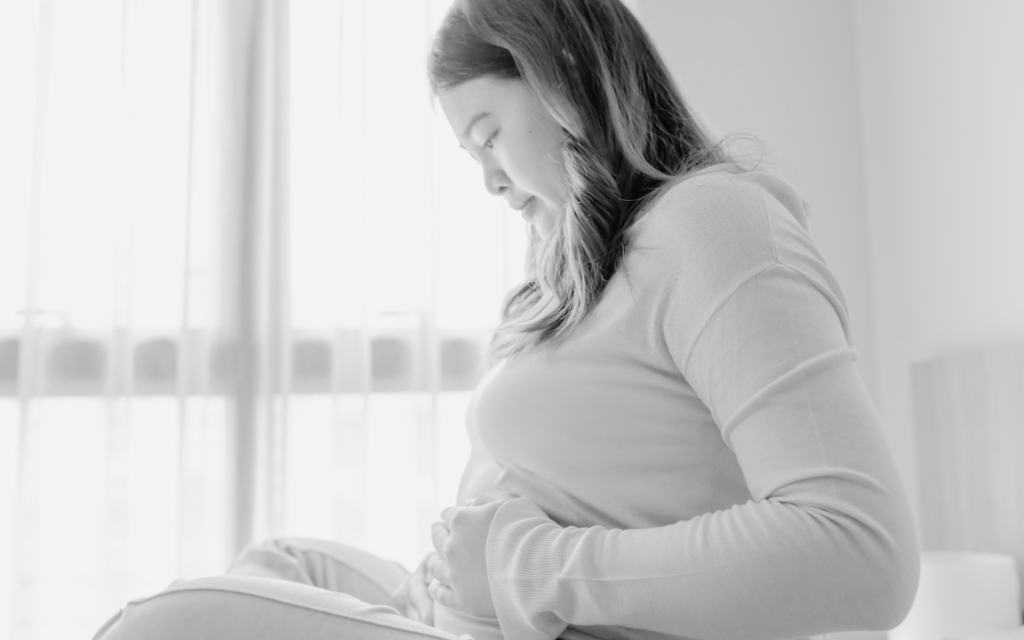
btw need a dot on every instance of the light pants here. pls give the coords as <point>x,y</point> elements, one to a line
<point>279,589</point>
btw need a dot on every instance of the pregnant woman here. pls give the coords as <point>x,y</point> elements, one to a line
<point>675,442</point>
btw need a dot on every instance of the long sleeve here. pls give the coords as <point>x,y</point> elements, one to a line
<point>825,544</point>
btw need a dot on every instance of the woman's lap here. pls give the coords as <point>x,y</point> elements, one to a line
<point>325,564</point>
<point>283,588</point>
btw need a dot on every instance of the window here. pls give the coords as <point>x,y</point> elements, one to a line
<point>120,411</point>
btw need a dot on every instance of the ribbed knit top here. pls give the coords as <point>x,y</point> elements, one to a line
<point>701,458</point>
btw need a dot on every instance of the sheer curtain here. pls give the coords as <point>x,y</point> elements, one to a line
<point>247,279</point>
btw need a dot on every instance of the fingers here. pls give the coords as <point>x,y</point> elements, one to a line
<point>446,516</point>
<point>437,569</point>
<point>413,598</point>
<point>443,593</point>
<point>422,566</point>
<point>485,498</point>
<point>439,534</point>
<point>421,606</point>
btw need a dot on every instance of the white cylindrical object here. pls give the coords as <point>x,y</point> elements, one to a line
<point>962,594</point>
<point>1012,634</point>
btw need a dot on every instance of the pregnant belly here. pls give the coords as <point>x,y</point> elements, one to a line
<point>457,623</point>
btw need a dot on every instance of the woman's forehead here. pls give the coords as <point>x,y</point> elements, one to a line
<point>481,91</point>
<point>466,103</point>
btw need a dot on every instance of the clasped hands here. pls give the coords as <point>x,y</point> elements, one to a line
<point>455,573</point>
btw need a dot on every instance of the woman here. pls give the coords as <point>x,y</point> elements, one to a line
<point>675,442</point>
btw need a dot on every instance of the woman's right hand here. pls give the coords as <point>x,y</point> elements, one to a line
<point>413,597</point>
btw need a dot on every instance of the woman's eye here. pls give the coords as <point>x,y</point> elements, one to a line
<point>489,142</point>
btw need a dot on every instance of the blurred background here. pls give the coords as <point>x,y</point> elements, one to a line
<point>247,277</point>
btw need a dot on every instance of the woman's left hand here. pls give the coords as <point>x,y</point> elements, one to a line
<point>459,568</point>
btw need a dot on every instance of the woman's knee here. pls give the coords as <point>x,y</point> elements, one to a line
<point>254,608</point>
<point>322,563</point>
<point>184,610</point>
<point>279,558</point>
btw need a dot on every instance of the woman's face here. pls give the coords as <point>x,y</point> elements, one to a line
<point>519,146</point>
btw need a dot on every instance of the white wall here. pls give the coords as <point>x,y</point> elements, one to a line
<point>942,89</point>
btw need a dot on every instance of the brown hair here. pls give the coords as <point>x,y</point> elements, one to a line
<point>628,133</point>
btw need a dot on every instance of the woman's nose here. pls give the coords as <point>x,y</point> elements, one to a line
<point>495,180</point>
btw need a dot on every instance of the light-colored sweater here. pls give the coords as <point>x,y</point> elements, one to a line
<point>701,459</point>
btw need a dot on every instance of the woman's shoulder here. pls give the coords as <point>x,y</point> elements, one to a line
<point>713,229</point>
<point>708,225</point>
<point>710,232</point>
<point>722,197</point>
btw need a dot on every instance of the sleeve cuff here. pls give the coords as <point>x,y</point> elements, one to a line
<point>524,559</point>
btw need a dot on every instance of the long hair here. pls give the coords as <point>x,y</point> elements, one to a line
<point>628,133</point>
